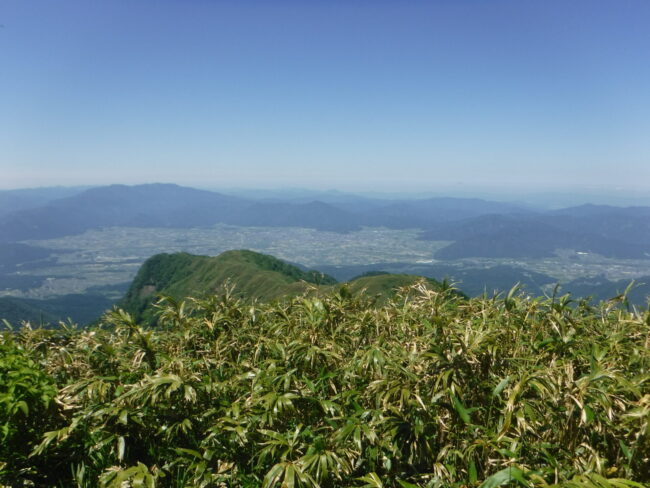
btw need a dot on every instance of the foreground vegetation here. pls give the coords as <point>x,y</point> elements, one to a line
<point>426,390</point>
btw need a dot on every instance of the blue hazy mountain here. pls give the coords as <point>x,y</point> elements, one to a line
<point>15,200</point>
<point>167,205</point>
<point>475,227</point>
<point>154,205</point>
<point>607,231</point>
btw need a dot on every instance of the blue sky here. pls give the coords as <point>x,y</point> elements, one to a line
<point>387,95</point>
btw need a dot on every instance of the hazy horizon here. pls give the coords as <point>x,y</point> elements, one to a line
<point>540,197</point>
<point>385,96</point>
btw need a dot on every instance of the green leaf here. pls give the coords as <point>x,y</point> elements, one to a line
<point>499,388</point>
<point>191,452</point>
<point>22,405</point>
<point>273,476</point>
<point>406,484</point>
<point>372,481</point>
<point>473,475</point>
<point>625,450</point>
<point>623,483</point>
<point>461,410</point>
<point>504,476</point>
<point>587,415</point>
<point>123,417</point>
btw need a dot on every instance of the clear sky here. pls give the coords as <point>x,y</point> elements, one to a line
<point>390,95</point>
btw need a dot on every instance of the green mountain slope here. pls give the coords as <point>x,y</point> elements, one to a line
<point>254,276</point>
<point>81,309</point>
<point>385,284</point>
<point>15,311</point>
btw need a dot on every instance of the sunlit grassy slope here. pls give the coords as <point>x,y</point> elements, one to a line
<point>254,276</point>
<point>385,285</point>
<point>426,389</point>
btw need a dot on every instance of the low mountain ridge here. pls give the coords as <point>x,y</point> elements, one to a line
<point>80,309</point>
<point>180,275</point>
<point>430,212</point>
<point>254,276</point>
<point>606,231</point>
<point>165,205</point>
<point>383,285</point>
<point>22,199</point>
<point>154,205</point>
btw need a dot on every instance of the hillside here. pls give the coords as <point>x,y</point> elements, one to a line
<point>613,232</point>
<point>384,285</point>
<point>254,276</point>
<point>81,309</point>
<point>430,212</point>
<point>16,310</point>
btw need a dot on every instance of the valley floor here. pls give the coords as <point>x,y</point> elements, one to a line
<point>105,260</point>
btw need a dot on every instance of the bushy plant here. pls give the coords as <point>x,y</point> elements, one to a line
<point>426,390</point>
<point>27,410</point>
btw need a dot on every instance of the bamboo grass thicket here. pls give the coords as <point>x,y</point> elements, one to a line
<point>426,390</point>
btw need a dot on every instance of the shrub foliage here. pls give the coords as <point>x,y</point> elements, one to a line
<point>426,390</point>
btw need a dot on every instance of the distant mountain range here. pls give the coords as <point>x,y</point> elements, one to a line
<point>167,205</point>
<point>623,235</point>
<point>156,205</point>
<point>476,227</point>
<point>15,200</point>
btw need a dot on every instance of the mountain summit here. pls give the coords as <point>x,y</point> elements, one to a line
<point>254,276</point>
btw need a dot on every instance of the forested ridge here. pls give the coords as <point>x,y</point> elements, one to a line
<point>427,389</point>
<point>254,276</point>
